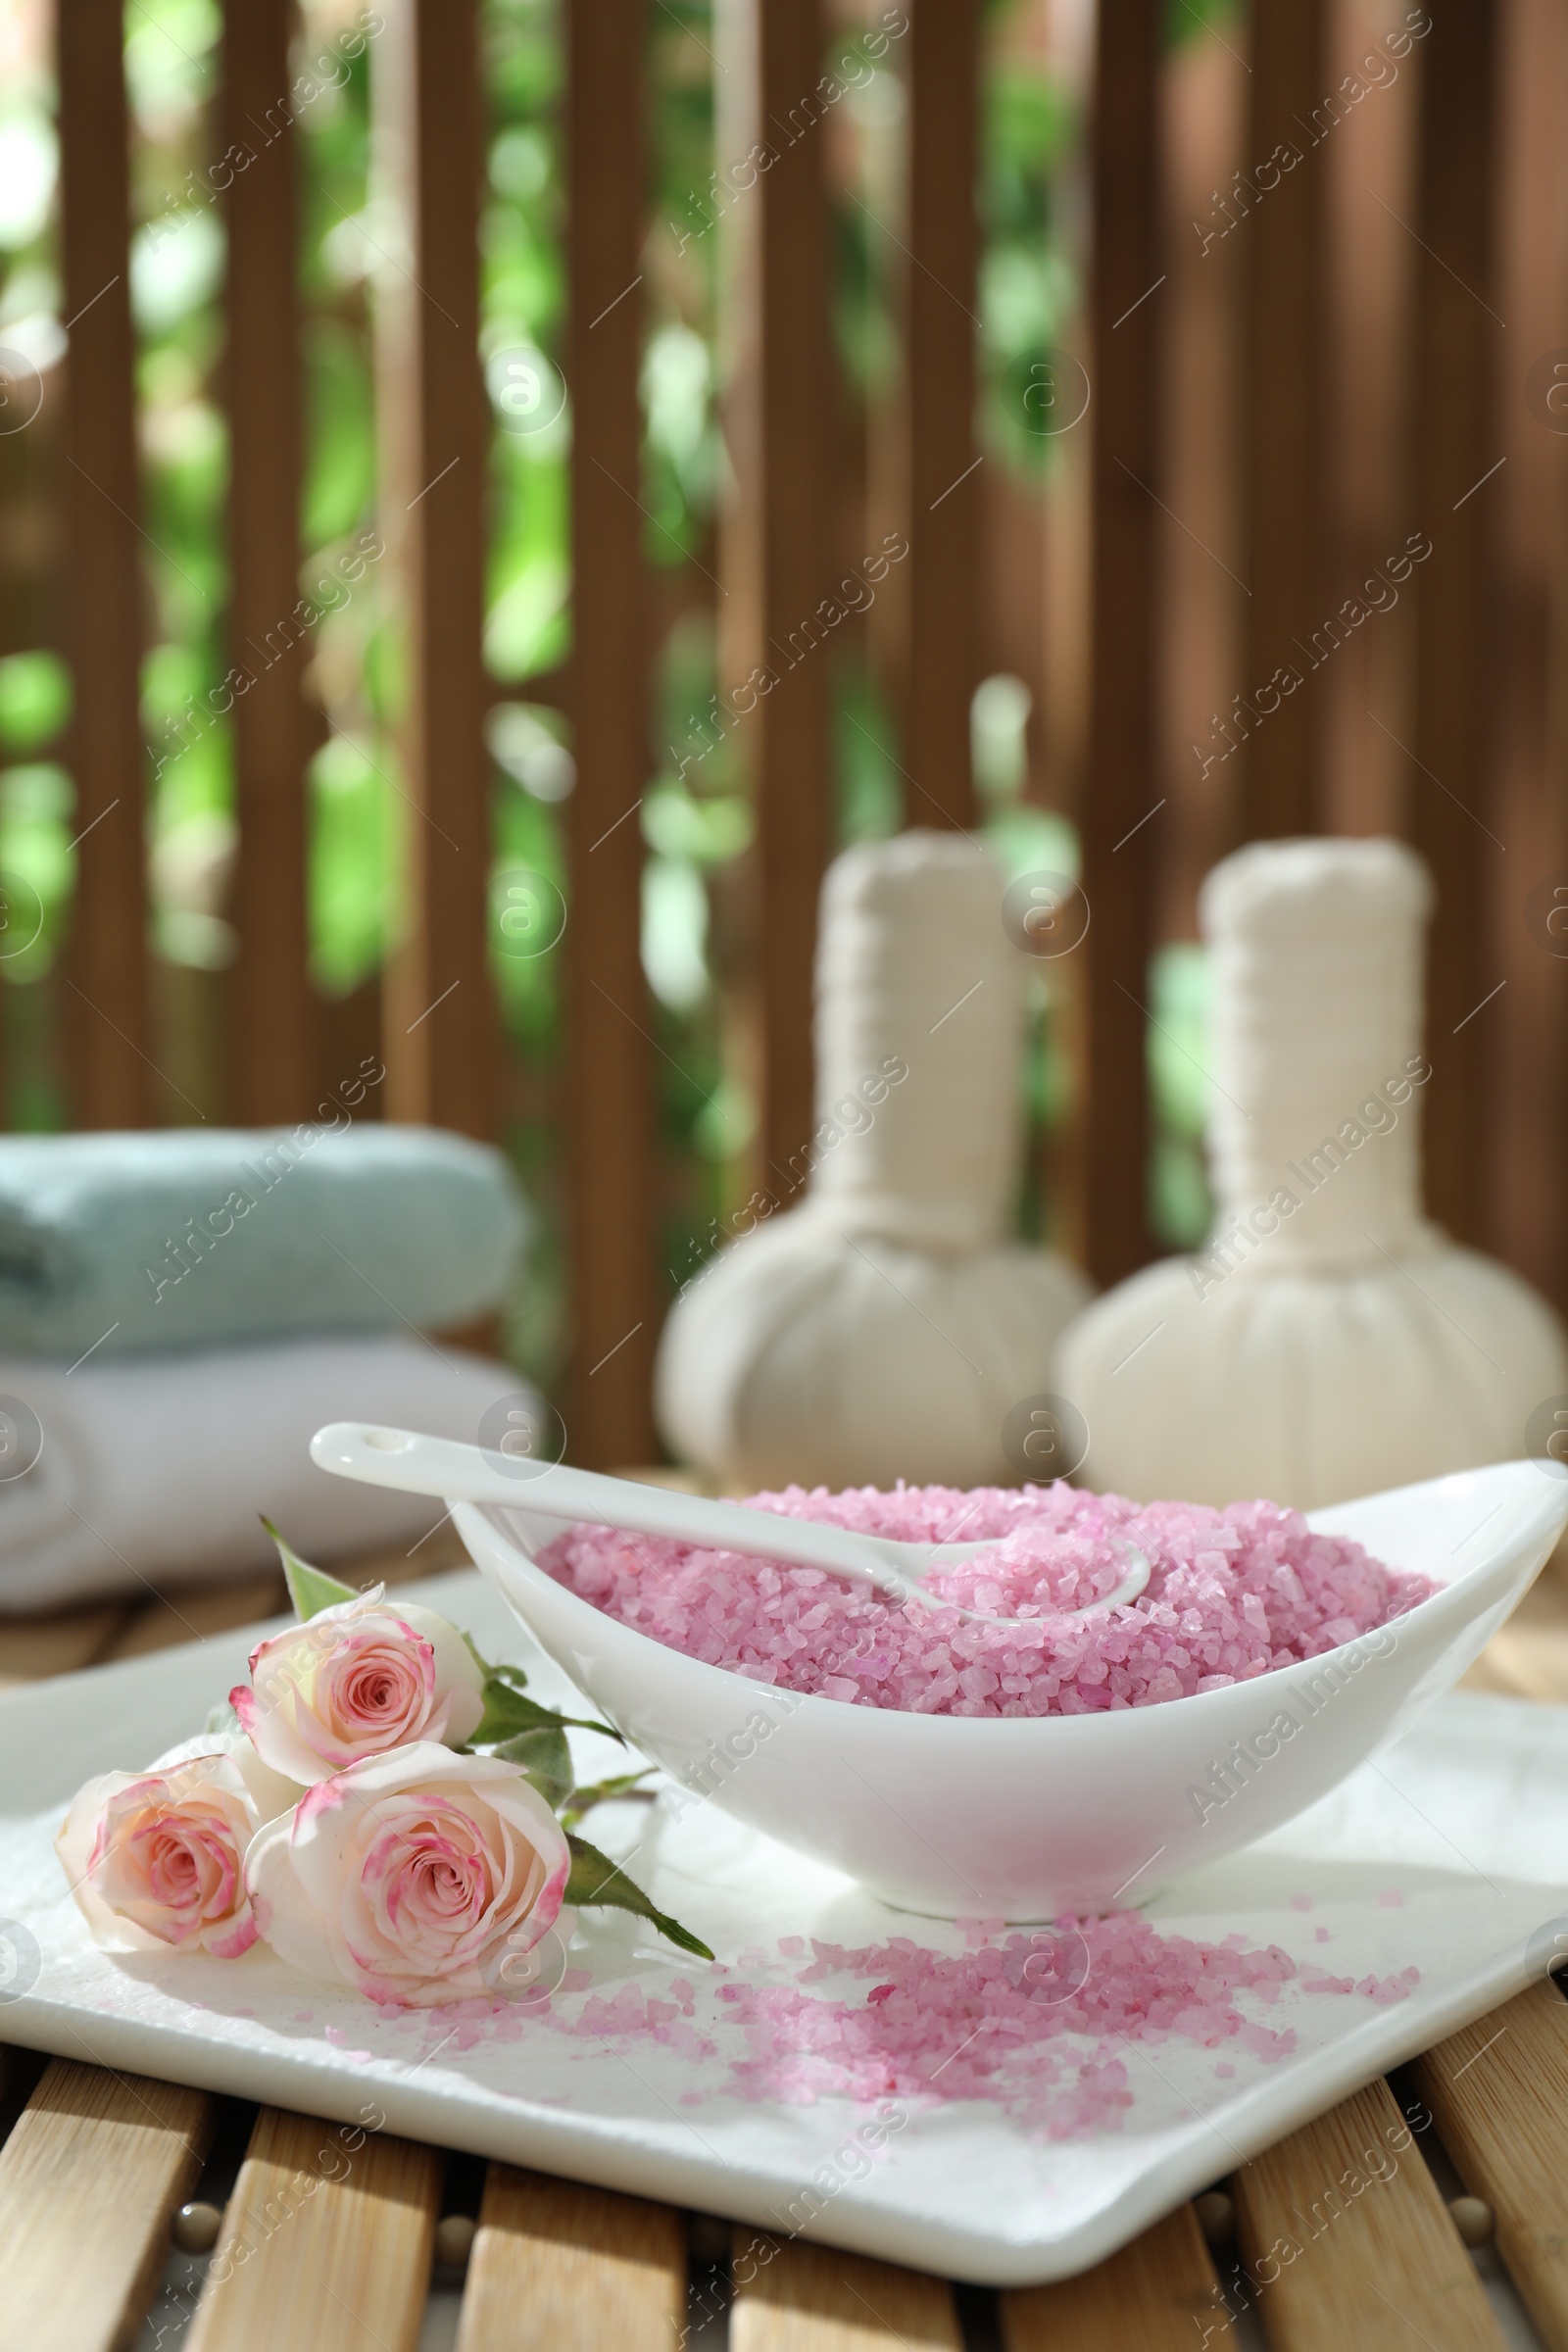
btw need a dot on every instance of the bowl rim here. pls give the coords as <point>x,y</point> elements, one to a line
<point>1456,1600</point>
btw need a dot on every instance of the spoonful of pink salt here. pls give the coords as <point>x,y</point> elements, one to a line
<point>422,1466</point>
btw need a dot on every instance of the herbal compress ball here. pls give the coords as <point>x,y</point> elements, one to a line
<point>884,1328</point>
<point>1327,1340</point>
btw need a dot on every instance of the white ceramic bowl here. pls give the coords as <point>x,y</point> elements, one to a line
<point>959,1817</point>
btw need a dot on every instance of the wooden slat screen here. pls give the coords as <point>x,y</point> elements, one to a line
<point>779,428</point>
<point>944,492</point>
<point>787,440</point>
<point>1285,414</point>
<point>111,1076</point>
<point>610,1082</point>
<point>271,1065</point>
<point>441,1046</point>
<point>1458,342</point>
<point>1117,828</point>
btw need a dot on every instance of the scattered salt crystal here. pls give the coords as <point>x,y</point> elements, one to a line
<point>930,2027</point>
<point>977,2025</point>
<point>1232,1593</point>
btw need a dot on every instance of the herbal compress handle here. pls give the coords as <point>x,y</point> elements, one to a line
<point>1314,1133</point>
<point>920,1013</point>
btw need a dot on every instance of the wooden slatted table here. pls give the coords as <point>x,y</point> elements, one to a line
<point>1343,2235</point>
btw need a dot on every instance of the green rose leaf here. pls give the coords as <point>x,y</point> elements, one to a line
<point>309,1590</point>
<point>507,1713</point>
<point>508,1674</point>
<point>603,1792</point>
<point>595,1878</point>
<point>545,1762</point>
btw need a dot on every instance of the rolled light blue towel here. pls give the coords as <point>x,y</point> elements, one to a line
<point>183,1238</point>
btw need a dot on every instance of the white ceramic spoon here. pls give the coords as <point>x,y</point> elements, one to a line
<point>420,1465</point>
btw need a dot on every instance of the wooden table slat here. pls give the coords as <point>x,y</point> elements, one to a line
<point>1346,2241</point>
<point>97,2161</point>
<point>327,2241</point>
<point>599,2271</point>
<point>33,1648</point>
<point>791,2297</point>
<point>1500,2093</point>
<point>1152,2296</point>
<point>191,1615</point>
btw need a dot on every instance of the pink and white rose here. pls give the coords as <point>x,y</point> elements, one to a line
<point>156,1859</point>
<point>355,1681</point>
<point>413,1877</point>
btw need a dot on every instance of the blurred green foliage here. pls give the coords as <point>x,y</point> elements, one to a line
<point>1028,285</point>
<point>1177,1045</point>
<point>1185,20</point>
<point>34,700</point>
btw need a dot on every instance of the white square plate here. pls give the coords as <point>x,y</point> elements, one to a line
<point>1449,1852</point>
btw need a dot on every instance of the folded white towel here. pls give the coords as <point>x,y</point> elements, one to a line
<point>144,1472</point>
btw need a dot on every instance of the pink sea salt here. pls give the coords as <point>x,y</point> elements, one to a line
<point>988,2023</point>
<point>1232,1593</point>
<point>1060,2027</point>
